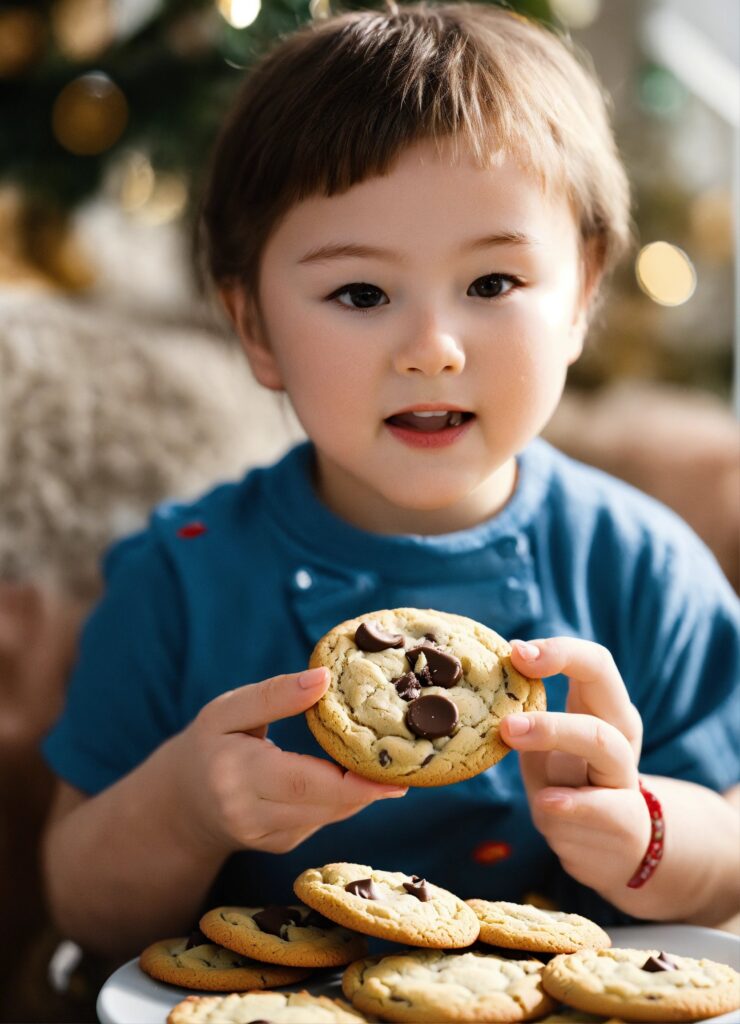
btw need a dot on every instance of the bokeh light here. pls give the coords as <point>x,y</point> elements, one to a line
<point>22,40</point>
<point>576,13</point>
<point>239,13</point>
<point>82,29</point>
<point>89,114</point>
<point>665,273</point>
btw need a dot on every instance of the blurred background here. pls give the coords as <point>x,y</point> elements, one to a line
<point>108,106</point>
<point>107,109</point>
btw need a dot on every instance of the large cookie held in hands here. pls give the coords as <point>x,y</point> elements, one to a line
<point>417,696</point>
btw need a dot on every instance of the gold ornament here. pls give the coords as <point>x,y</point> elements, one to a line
<point>89,114</point>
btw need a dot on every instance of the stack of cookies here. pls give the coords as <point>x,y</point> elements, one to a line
<point>474,960</point>
<point>441,685</point>
<point>251,949</point>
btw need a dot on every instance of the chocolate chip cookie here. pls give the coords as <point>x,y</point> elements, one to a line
<point>417,696</point>
<point>389,905</point>
<point>264,1008</point>
<point>294,935</point>
<point>197,963</point>
<point>522,926</point>
<point>433,986</point>
<point>642,985</point>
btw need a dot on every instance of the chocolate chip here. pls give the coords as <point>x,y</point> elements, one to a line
<point>660,963</point>
<point>505,675</point>
<point>432,716</point>
<point>273,918</point>
<point>196,938</point>
<point>445,669</point>
<point>511,696</point>
<point>385,758</point>
<point>407,686</point>
<point>418,887</point>
<point>424,676</point>
<point>364,887</point>
<point>427,759</point>
<point>315,920</point>
<point>431,637</point>
<point>372,638</point>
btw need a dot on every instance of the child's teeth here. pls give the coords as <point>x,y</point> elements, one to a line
<point>455,419</point>
<point>427,414</point>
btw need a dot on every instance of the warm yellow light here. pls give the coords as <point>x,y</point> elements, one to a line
<point>576,13</point>
<point>166,201</point>
<point>320,9</point>
<point>89,114</point>
<point>138,182</point>
<point>239,13</point>
<point>665,273</point>
<point>82,28</point>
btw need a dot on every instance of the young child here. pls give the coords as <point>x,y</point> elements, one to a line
<point>408,218</point>
<point>102,418</point>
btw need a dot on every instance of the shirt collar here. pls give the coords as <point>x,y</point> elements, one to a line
<point>338,571</point>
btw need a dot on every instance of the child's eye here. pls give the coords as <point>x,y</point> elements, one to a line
<point>361,296</point>
<point>492,285</point>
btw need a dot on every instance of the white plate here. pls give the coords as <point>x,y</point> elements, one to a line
<point>131,997</point>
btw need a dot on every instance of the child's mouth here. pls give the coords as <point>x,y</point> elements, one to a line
<point>429,429</point>
<point>429,422</point>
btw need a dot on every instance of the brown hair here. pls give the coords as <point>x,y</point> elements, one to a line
<point>338,101</point>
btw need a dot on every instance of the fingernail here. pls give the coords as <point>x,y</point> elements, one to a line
<point>518,725</point>
<point>313,677</point>
<point>395,793</point>
<point>526,651</point>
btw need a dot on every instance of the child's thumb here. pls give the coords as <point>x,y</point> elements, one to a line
<point>257,704</point>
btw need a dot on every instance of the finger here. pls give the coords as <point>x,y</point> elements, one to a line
<point>595,681</point>
<point>593,807</point>
<point>254,706</point>
<point>307,818</point>
<point>606,750</point>
<point>552,768</point>
<point>286,777</point>
<point>615,819</point>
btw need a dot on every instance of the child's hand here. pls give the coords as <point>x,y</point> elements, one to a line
<point>247,793</point>
<point>580,768</point>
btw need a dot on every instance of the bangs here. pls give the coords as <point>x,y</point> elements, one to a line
<point>338,102</point>
<point>411,84</point>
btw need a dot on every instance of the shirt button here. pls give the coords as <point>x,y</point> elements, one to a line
<point>364,582</point>
<point>510,547</point>
<point>516,594</point>
<point>303,580</point>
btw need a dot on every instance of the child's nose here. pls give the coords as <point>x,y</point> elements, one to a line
<point>431,348</point>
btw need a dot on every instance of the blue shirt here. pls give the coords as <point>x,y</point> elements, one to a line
<point>238,587</point>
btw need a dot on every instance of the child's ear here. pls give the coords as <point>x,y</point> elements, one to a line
<point>590,279</point>
<point>243,313</point>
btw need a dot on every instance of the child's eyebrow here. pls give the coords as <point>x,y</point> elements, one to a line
<point>348,250</point>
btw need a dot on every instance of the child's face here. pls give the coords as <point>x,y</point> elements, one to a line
<point>355,340</point>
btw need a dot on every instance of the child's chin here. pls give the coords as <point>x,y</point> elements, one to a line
<point>429,499</point>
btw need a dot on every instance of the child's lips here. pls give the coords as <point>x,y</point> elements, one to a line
<point>429,422</point>
<point>438,435</point>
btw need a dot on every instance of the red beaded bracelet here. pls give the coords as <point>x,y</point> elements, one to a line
<point>654,851</point>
